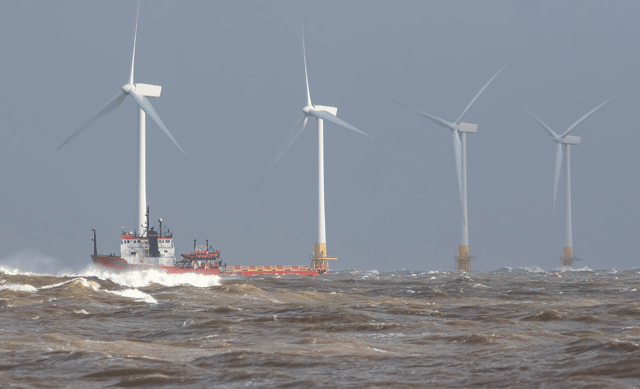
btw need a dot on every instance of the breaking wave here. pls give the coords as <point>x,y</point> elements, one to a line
<point>135,294</point>
<point>144,278</point>
<point>33,263</point>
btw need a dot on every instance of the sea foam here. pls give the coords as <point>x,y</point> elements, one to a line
<point>144,278</point>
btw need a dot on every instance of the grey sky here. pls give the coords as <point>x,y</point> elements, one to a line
<point>233,87</point>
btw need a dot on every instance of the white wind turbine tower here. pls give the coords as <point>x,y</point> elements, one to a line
<point>139,92</point>
<point>321,113</point>
<point>565,140</point>
<point>459,131</point>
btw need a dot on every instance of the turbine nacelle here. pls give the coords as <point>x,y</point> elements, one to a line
<point>571,140</point>
<point>467,127</point>
<point>147,90</point>
<point>567,140</point>
<point>325,108</point>
<point>463,127</point>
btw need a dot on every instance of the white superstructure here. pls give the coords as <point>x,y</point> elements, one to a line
<point>135,250</point>
<point>155,248</point>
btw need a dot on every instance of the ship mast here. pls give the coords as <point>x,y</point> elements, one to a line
<point>95,242</point>
<point>146,226</point>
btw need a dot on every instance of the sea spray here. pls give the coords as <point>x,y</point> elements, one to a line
<point>144,278</point>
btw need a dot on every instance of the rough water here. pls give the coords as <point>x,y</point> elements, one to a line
<point>509,328</point>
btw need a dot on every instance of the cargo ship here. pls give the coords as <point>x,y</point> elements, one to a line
<point>154,249</point>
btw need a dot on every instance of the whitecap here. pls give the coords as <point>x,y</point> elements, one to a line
<point>135,294</point>
<point>534,269</point>
<point>568,269</point>
<point>84,282</point>
<point>143,278</point>
<point>19,287</point>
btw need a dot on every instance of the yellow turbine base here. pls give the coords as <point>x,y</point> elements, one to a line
<point>567,252</point>
<point>463,251</point>
<point>463,260</point>
<point>320,261</point>
<point>567,257</point>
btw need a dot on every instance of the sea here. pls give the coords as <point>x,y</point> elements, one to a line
<point>507,328</point>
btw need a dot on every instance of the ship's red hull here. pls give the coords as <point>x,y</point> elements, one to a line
<point>110,261</point>
<point>120,264</point>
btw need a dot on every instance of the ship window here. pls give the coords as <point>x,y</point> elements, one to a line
<point>165,251</point>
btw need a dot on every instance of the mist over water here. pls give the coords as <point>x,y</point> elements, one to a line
<point>97,328</point>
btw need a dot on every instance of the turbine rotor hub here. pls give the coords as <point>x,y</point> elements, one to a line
<point>126,88</point>
<point>306,109</point>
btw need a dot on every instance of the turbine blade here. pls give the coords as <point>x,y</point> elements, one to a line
<point>304,55</point>
<point>582,119</point>
<point>110,106</point>
<point>557,174</point>
<point>146,106</point>
<point>333,118</point>
<point>546,128</point>
<point>293,135</point>
<point>135,34</point>
<point>436,120</point>
<point>476,97</point>
<point>457,147</point>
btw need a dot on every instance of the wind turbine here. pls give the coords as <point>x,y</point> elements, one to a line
<point>565,140</point>
<point>459,131</point>
<point>321,113</point>
<point>139,92</point>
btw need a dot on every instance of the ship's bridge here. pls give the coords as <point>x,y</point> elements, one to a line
<point>135,250</point>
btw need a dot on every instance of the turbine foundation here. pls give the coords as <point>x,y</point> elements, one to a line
<point>463,259</point>
<point>319,260</point>
<point>568,260</point>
